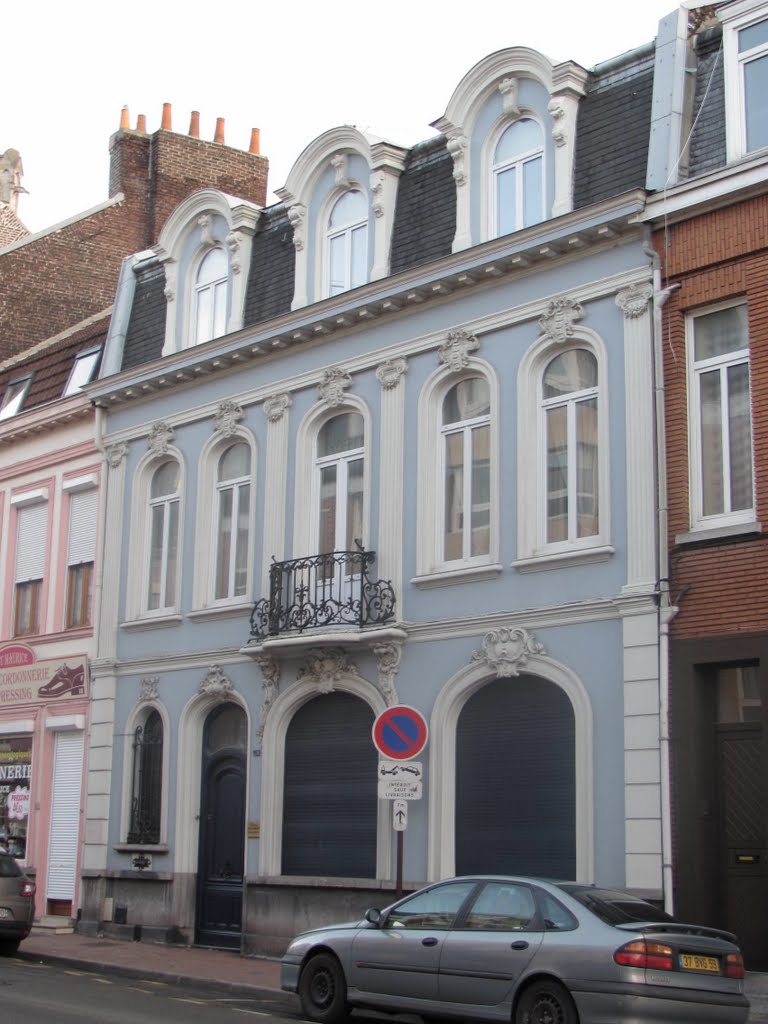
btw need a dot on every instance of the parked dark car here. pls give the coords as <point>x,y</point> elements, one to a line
<point>17,905</point>
<point>523,950</point>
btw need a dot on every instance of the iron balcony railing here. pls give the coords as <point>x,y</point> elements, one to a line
<point>333,589</point>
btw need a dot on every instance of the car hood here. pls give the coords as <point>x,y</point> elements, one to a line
<point>324,929</point>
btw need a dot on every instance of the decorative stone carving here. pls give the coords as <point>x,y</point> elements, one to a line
<point>325,666</point>
<point>557,323</point>
<point>506,651</point>
<point>205,223</point>
<point>508,90</point>
<point>115,454</point>
<point>390,373</point>
<point>171,274</point>
<point>633,301</point>
<point>234,242</point>
<point>457,147</point>
<point>335,381</point>
<point>297,216</point>
<point>149,689</point>
<point>377,191</point>
<point>276,406</point>
<point>160,437</point>
<point>388,655</point>
<point>228,415</point>
<point>339,163</point>
<point>270,676</point>
<point>557,113</point>
<point>216,684</point>
<point>455,351</point>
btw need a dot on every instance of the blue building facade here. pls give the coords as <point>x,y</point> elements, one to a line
<point>389,441</point>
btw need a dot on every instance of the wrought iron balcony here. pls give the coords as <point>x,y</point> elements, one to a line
<point>333,589</point>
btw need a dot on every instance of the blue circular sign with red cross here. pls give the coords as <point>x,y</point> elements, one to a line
<point>400,732</point>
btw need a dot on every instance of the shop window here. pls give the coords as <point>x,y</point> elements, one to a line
<point>15,778</point>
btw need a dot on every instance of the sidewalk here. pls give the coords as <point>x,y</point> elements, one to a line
<point>222,971</point>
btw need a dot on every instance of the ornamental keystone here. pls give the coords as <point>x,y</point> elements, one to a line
<point>507,650</point>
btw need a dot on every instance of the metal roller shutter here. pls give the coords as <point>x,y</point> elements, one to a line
<point>65,816</point>
<point>515,780</point>
<point>330,800</point>
<point>83,507</point>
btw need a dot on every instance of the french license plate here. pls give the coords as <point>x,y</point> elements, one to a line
<point>5,913</point>
<point>689,962</point>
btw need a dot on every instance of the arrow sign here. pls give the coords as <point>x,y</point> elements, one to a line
<point>399,815</point>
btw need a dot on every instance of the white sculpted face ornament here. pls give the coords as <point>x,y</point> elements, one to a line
<point>507,651</point>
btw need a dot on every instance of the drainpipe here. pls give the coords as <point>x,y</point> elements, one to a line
<point>666,610</point>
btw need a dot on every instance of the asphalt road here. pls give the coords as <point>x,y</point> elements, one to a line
<point>34,993</point>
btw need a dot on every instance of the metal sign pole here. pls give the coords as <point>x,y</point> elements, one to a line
<point>399,882</point>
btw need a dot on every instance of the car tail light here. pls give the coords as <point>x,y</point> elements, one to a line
<point>734,965</point>
<point>640,953</point>
<point>28,889</point>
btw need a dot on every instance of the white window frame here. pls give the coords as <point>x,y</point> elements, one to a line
<point>345,232</point>
<point>23,503</point>
<point>432,568</point>
<point>236,485</point>
<point>699,521</point>
<point>495,169</point>
<point>341,460</point>
<point>76,488</point>
<point>218,288</point>
<point>14,396</point>
<point>740,16</point>
<point>83,369</point>
<point>533,550</point>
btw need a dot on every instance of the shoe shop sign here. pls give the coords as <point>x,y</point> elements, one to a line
<point>26,680</point>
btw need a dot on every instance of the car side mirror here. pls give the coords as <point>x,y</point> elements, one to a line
<point>373,916</point>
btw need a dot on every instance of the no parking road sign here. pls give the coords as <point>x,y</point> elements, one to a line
<point>400,732</point>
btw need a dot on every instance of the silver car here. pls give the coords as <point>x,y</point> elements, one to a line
<point>523,950</point>
<point>17,905</point>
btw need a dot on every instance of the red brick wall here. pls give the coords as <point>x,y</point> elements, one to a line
<point>54,282</point>
<point>720,588</point>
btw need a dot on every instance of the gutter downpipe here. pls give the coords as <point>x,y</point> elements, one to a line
<point>666,610</point>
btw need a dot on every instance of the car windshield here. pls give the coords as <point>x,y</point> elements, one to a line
<point>616,907</point>
<point>8,867</point>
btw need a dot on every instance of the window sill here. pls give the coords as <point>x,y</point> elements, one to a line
<point>695,536</point>
<point>466,574</point>
<point>221,611</point>
<point>560,559</point>
<point>155,622</point>
<point>142,848</point>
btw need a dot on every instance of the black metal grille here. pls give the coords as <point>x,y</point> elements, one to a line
<point>333,589</point>
<point>147,781</point>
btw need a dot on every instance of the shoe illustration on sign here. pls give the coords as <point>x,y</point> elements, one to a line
<point>66,680</point>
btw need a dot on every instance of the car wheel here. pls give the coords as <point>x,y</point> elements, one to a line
<point>546,1002</point>
<point>323,990</point>
<point>9,947</point>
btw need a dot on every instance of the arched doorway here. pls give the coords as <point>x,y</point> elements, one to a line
<point>330,803</point>
<point>220,875</point>
<point>516,780</point>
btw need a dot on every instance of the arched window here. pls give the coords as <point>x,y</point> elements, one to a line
<point>465,428</point>
<point>518,177</point>
<point>147,780</point>
<point>348,242</point>
<point>163,530</point>
<point>210,296</point>
<point>569,405</point>
<point>340,468</point>
<point>232,519</point>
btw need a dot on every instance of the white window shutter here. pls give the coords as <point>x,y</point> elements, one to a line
<point>83,509</point>
<point>32,524</point>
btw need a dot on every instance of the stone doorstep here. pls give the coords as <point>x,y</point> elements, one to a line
<point>49,924</point>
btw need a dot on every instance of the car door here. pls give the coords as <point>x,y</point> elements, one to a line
<point>492,944</point>
<point>401,957</point>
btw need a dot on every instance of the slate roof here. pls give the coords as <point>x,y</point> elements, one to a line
<point>273,265</point>
<point>425,218</point>
<point>146,327</point>
<point>707,150</point>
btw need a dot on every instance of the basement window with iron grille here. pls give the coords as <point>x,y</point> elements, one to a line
<point>146,792</point>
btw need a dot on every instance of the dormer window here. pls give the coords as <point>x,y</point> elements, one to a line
<point>14,396</point>
<point>753,67</point>
<point>210,296</point>
<point>83,370</point>
<point>518,178</point>
<point>348,242</point>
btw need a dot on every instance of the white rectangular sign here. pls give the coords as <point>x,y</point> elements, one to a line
<point>399,815</point>
<point>399,789</point>
<point>401,770</point>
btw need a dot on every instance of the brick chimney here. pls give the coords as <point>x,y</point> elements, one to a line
<point>156,172</point>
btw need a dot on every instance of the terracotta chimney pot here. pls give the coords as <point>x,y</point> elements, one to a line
<point>219,136</point>
<point>141,123</point>
<point>166,121</point>
<point>125,119</point>
<point>255,137</point>
<point>194,124</point>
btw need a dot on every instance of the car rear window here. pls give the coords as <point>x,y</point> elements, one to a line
<point>8,867</point>
<point>618,907</point>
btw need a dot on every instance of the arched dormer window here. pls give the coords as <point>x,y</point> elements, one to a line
<point>347,242</point>
<point>210,296</point>
<point>518,177</point>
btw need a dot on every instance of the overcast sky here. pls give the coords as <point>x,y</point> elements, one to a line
<point>292,69</point>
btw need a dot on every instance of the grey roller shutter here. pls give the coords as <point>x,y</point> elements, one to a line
<point>83,508</point>
<point>65,816</point>
<point>31,527</point>
<point>330,800</point>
